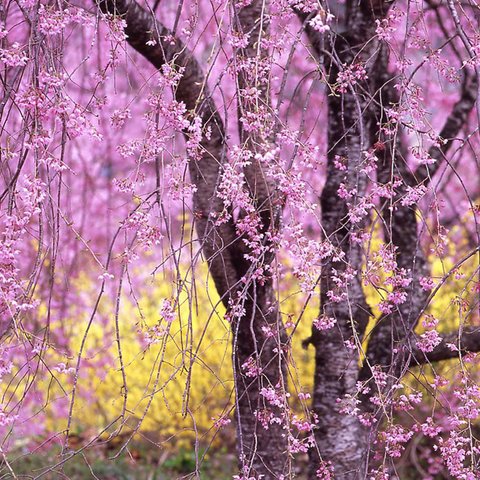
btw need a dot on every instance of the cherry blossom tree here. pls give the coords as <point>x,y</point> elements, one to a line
<point>334,142</point>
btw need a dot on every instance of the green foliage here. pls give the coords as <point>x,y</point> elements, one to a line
<point>96,463</point>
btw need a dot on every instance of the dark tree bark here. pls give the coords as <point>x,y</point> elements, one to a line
<point>352,129</point>
<point>262,452</point>
<point>340,438</point>
<point>353,119</point>
<point>265,449</point>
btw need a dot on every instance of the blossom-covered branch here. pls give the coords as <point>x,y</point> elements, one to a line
<point>453,345</point>
<point>453,125</point>
<point>156,43</point>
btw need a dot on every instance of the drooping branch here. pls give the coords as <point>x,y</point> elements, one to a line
<point>400,222</point>
<point>261,450</point>
<point>253,97</point>
<point>156,43</point>
<point>453,345</point>
<point>454,123</point>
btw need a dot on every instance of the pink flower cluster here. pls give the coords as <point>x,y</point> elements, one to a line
<point>350,75</point>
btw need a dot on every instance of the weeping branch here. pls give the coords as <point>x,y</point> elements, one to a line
<point>157,44</point>
<point>454,123</point>
<point>453,345</point>
<point>262,451</point>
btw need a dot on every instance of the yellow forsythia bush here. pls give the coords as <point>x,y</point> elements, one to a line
<point>174,379</point>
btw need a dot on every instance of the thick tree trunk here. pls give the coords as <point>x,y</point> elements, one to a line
<point>258,340</point>
<point>353,129</point>
<point>340,438</point>
<point>258,333</point>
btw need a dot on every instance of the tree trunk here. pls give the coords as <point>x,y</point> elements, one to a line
<point>258,339</point>
<point>340,438</point>
<point>258,333</point>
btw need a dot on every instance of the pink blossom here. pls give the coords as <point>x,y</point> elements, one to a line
<point>221,422</point>
<point>324,323</point>
<point>14,56</point>
<point>167,312</point>
<point>320,21</point>
<point>413,195</point>
<point>119,117</point>
<point>428,341</point>
<point>427,283</point>
<point>395,438</point>
<point>325,471</point>
<point>430,429</point>
<point>350,76</point>
<point>251,368</point>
